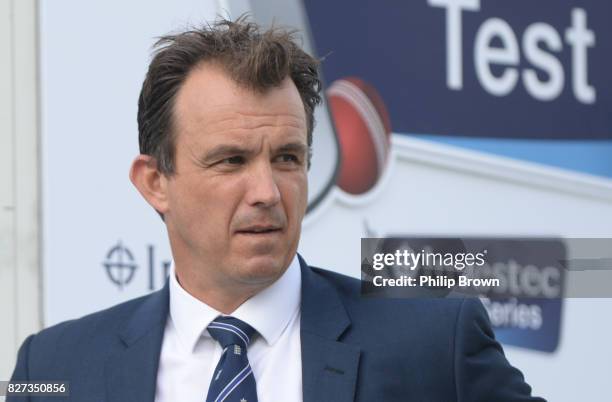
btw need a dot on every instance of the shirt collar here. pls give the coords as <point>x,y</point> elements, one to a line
<point>269,311</point>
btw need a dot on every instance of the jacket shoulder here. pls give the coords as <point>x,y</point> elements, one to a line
<point>91,330</point>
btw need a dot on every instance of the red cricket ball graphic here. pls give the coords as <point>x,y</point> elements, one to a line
<point>364,129</point>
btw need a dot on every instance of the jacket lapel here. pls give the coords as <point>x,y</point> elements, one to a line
<point>131,370</point>
<point>329,367</point>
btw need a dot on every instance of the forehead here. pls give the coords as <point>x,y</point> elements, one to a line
<point>210,101</point>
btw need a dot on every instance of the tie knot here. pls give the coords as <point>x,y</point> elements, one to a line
<point>230,331</point>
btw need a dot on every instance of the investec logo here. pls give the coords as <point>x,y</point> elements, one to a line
<point>121,266</point>
<point>521,281</point>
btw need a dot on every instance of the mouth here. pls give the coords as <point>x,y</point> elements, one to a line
<point>259,230</point>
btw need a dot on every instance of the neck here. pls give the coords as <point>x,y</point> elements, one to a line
<point>225,299</point>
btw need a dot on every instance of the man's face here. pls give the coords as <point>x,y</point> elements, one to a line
<point>236,202</point>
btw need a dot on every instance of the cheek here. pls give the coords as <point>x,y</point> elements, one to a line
<point>296,197</point>
<point>204,206</point>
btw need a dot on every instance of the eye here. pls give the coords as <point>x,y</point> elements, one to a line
<point>233,160</point>
<point>288,158</point>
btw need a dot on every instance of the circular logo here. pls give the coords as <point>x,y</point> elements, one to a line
<point>120,265</point>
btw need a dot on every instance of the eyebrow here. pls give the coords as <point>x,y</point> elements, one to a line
<point>224,150</point>
<point>221,151</point>
<point>297,147</point>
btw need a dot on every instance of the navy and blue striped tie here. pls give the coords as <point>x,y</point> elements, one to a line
<point>233,379</point>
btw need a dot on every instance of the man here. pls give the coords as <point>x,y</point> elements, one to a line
<point>225,124</point>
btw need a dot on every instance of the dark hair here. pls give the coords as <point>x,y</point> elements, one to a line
<point>256,59</point>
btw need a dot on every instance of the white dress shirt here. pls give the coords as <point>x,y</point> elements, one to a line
<point>189,355</point>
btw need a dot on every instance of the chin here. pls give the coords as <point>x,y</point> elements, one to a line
<point>263,269</point>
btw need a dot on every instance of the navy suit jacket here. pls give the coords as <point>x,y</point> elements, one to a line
<point>353,349</point>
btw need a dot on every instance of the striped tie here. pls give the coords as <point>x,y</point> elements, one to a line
<point>233,380</point>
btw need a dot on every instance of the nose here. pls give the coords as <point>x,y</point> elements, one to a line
<point>262,189</point>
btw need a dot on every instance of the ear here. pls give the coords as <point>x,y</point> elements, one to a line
<point>150,182</point>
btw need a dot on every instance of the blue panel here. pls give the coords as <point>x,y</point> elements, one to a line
<point>400,48</point>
